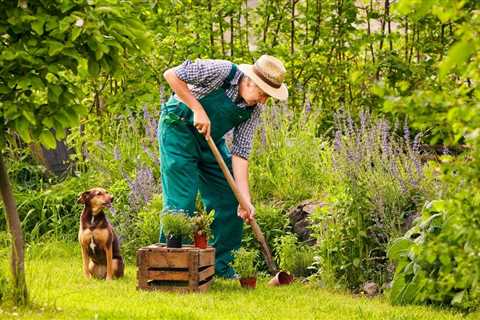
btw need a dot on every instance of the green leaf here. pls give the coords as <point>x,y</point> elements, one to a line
<point>22,127</point>
<point>54,47</point>
<point>47,139</point>
<point>47,122</point>
<point>458,298</point>
<point>75,33</point>
<point>29,116</point>
<point>93,67</point>
<point>54,93</point>
<point>36,83</point>
<point>65,23</point>
<point>458,54</point>
<point>356,262</point>
<point>37,26</point>
<point>399,249</point>
<point>59,134</point>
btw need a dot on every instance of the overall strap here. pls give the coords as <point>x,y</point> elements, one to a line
<point>231,75</point>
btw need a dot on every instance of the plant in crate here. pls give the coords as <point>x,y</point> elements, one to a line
<point>201,228</point>
<point>176,227</point>
<point>244,265</point>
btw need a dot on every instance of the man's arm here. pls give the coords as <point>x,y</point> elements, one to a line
<point>200,117</point>
<point>240,172</point>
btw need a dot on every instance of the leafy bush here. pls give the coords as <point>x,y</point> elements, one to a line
<point>376,181</point>
<point>437,260</point>
<point>177,224</point>
<point>148,222</point>
<point>293,256</point>
<point>244,263</point>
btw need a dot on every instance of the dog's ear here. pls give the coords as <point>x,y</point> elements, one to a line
<point>84,197</point>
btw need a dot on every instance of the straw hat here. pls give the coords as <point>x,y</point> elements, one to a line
<point>268,73</point>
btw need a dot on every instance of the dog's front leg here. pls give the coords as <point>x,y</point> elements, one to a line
<point>85,258</point>
<point>108,252</point>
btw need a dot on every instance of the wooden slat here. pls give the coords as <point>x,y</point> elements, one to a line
<point>193,269</point>
<point>206,273</point>
<point>162,288</point>
<point>166,259</point>
<point>167,275</point>
<point>204,287</point>
<point>206,257</point>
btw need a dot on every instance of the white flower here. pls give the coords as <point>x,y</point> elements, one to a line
<point>79,22</point>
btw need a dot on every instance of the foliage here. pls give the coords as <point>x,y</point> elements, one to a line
<point>46,49</point>
<point>51,210</point>
<point>273,222</point>
<point>292,256</point>
<point>177,224</point>
<point>202,221</point>
<point>3,285</point>
<point>136,229</point>
<point>244,263</point>
<point>376,181</point>
<point>436,259</point>
<point>287,162</point>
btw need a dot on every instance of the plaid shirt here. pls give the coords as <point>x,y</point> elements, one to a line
<point>204,76</point>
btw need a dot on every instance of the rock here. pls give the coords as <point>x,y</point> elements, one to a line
<point>370,289</point>
<point>298,216</point>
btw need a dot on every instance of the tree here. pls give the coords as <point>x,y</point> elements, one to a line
<point>43,46</point>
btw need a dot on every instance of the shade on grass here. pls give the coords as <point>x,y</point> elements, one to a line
<point>59,291</point>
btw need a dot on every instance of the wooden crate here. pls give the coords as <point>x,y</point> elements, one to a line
<point>184,269</point>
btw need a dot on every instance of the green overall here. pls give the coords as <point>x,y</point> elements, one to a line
<point>188,166</point>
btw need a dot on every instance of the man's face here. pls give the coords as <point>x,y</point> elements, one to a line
<point>251,93</point>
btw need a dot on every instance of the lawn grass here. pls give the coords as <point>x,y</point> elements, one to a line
<point>59,291</point>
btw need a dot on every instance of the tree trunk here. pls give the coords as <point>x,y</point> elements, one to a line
<point>231,36</point>
<point>20,294</point>
<point>212,39</point>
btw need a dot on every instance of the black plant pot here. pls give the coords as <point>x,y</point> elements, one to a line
<point>174,241</point>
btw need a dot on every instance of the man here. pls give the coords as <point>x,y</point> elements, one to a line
<point>211,98</point>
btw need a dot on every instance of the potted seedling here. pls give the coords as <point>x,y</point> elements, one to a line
<point>244,265</point>
<point>176,227</point>
<point>201,228</point>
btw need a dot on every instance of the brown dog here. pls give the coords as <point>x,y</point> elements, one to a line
<point>100,246</point>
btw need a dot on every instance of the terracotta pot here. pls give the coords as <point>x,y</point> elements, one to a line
<point>200,240</point>
<point>250,283</point>
<point>281,278</point>
<point>174,241</point>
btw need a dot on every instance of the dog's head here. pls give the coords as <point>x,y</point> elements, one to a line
<point>96,199</point>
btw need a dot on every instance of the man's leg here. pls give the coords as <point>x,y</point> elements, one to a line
<point>216,194</point>
<point>178,165</point>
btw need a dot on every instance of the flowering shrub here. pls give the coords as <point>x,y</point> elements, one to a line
<point>376,181</point>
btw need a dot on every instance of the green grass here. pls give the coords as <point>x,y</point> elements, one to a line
<point>59,291</point>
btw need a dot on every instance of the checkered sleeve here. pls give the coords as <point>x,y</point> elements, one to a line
<point>204,72</point>
<point>243,135</point>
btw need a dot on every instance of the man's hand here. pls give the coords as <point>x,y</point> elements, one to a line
<point>202,122</point>
<point>246,214</point>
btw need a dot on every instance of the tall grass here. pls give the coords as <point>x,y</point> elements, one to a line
<point>288,163</point>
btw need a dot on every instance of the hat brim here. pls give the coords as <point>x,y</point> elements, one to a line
<point>277,93</point>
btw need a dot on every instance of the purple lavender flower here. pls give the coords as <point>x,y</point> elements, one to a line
<point>142,187</point>
<point>308,106</point>
<point>406,132</point>
<point>338,140</point>
<point>116,153</point>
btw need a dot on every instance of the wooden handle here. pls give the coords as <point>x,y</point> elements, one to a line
<point>243,203</point>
